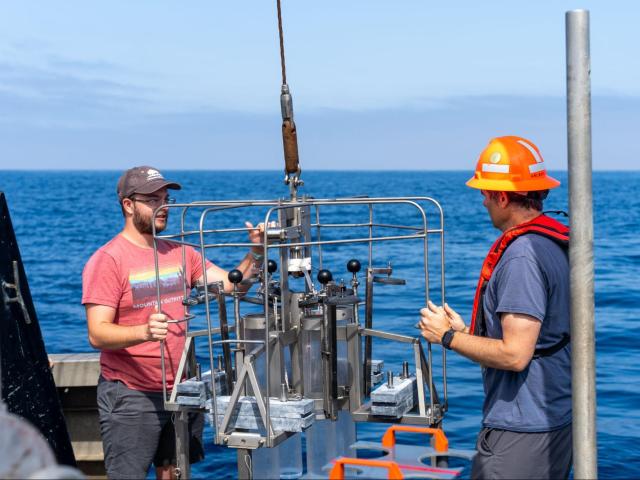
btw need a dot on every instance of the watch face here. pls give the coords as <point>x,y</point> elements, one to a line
<point>446,339</point>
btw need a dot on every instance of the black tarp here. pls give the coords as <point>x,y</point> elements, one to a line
<point>28,388</point>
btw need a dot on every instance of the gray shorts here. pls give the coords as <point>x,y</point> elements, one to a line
<point>506,454</point>
<point>136,431</point>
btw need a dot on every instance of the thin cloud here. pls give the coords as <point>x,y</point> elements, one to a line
<point>446,138</point>
<point>34,95</point>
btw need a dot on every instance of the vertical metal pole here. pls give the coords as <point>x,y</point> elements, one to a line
<point>319,235</point>
<point>368,323</point>
<point>370,235</point>
<point>245,463</point>
<point>583,367</point>
<point>224,335</point>
<point>181,427</point>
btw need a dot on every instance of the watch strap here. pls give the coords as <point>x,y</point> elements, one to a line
<point>447,338</point>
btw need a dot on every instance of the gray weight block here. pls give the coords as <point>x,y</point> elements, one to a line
<point>220,379</point>
<point>191,401</point>
<point>191,393</point>
<point>377,366</point>
<point>279,424</point>
<point>402,388</point>
<point>396,401</point>
<point>192,387</point>
<point>395,410</point>
<point>249,406</point>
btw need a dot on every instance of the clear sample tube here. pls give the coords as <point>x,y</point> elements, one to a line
<point>345,434</point>
<point>312,356</point>
<point>266,463</point>
<point>290,456</point>
<point>343,360</point>
<point>321,447</point>
<point>253,324</point>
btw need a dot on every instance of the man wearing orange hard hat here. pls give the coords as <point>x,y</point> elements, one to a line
<point>519,329</point>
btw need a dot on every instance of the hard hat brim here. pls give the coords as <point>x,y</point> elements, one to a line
<point>534,184</point>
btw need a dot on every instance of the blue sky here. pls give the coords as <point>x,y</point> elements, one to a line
<point>376,84</point>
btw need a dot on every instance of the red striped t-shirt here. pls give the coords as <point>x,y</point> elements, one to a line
<point>122,275</point>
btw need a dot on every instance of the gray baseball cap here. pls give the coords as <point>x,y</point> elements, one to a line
<point>144,180</point>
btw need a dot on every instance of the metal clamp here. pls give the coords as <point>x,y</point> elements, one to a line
<point>18,298</point>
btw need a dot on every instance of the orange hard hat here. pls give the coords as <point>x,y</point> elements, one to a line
<point>511,164</point>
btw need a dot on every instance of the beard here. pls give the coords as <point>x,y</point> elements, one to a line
<point>143,223</point>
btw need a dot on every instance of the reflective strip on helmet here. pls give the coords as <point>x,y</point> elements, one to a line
<point>533,151</point>
<point>487,167</point>
<point>536,167</point>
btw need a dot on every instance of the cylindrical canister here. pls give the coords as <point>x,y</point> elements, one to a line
<point>253,329</point>
<point>343,359</point>
<point>344,316</point>
<point>310,339</point>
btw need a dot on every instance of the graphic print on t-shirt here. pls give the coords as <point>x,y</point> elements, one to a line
<point>143,285</point>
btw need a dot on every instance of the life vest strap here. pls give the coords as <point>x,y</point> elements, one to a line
<point>541,225</point>
<point>547,352</point>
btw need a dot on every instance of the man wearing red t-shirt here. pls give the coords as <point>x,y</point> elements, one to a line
<point>120,298</point>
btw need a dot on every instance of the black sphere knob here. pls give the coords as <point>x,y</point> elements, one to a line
<point>353,265</point>
<point>324,276</point>
<point>272,266</point>
<point>235,276</point>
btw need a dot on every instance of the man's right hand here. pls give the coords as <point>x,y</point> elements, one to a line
<point>456,321</point>
<point>157,327</point>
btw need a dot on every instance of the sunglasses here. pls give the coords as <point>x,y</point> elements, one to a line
<point>155,201</point>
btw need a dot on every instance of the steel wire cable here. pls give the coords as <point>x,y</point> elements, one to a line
<point>281,35</point>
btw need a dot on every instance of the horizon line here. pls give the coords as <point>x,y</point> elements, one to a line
<point>63,170</point>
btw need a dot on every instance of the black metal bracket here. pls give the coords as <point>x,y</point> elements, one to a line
<point>15,286</point>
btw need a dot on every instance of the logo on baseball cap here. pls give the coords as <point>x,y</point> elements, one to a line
<point>144,180</point>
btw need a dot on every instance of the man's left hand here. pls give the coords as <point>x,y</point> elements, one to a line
<point>434,322</point>
<point>256,236</point>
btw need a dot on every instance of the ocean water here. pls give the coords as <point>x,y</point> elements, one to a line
<point>61,218</point>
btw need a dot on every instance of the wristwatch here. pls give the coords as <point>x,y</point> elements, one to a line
<point>256,256</point>
<point>447,338</point>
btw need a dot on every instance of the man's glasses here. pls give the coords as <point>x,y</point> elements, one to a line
<point>155,201</point>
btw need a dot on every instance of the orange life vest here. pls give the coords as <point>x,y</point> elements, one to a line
<point>541,225</point>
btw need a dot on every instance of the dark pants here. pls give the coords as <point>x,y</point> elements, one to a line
<point>505,454</point>
<point>136,431</point>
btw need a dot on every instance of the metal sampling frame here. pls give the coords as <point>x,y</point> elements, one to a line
<point>291,319</point>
